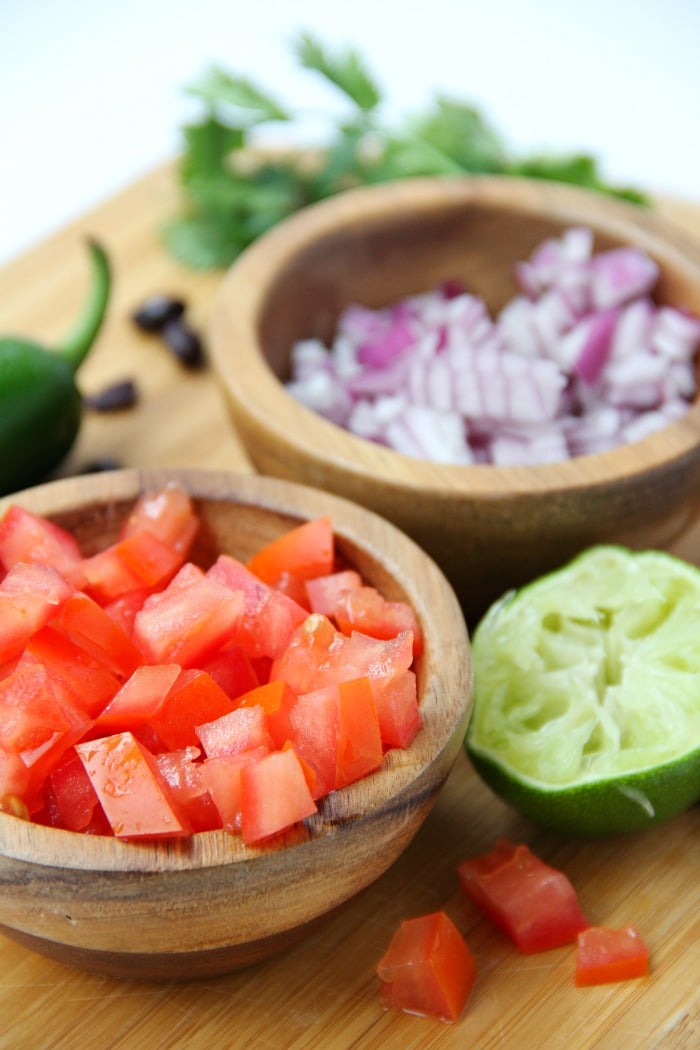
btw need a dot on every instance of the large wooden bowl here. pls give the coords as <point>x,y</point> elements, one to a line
<point>490,528</point>
<point>210,904</point>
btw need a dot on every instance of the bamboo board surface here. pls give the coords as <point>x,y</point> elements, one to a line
<point>324,993</point>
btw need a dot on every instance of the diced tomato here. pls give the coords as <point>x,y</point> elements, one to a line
<point>269,617</point>
<point>136,800</point>
<point>274,796</point>
<point>363,609</point>
<point>139,699</point>
<point>244,729</point>
<point>138,562</point>
<point>359,750</point>
<point>75,797</point>
<point>184,776</point>
<point>396,700</point>
<point>221,775</point>
<point>30,596</point>
<point>14,781</point>
<point>314,735</point>
<point>167,514</point>
<point>232,670</point>
<point>124,608</point>
<point>277,700</point>
<point>91,683</point>
<point>25,536</point>
<point>604,955</point>
<point>303,552</point>
<point>38,719</point>
<point>195,698</point>
<point>533,903</point>
<point>427,969</point>
<point>188,620</point>
<point>324,592</point>
<point>88,626</point>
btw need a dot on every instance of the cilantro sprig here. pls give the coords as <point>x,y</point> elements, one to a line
<point>231,192</point>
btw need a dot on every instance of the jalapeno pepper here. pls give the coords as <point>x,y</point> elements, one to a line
<point>40,404</point>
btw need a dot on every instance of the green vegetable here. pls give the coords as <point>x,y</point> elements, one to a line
<point>230,195</point>
<point>40,405</point>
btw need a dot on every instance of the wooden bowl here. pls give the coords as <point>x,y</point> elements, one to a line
<point>490,528</point>
<point>210,904</point>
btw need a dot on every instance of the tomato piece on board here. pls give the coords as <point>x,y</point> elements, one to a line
<point>168,514</point>
<point>277,700</point>
<point>25,536</point>
<point>269,617</point>
<point>303,552</point>
<point>187,621</point>
<point>139,699</point>
<point>91,683</point>
<point>274,796</point>
<point>30,595</point>
<point>194,698</point>
<point>364,609</point>
<point>88,626</point>
<point>428,968</point>
<point>604,955</point>
<point>531,902</point>
<point>138,562</point>
<point>325,592</point>
<point>396,700</point>
<point>243,729</point>
<point>135,798</point>
<point>359,740</point>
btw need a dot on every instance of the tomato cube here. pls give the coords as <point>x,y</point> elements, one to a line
<point>140,561</point>
<point>74,796</point>
<point>221,775</point>
<point>28,537</point>
<point>30,595</point>
<point>364,609</point>
<point>91,684</point>
<point>277,700</point>
<point>303,552</point>
<point>88,626</point>
<point>604,955</point>
<point>314,735</point>
<point>274,796</point>
<point>188,620</point>
<point>359,748</point>
<point>534,904</point>
<point>427,968</point>
<point>232,670</point>
<point>167,513</point>
<point>139,699</point>
<point>193,699</point>
<point>184,776</point>
<point>243,729</point>
<point>135,798</point>
<point>396,700</point>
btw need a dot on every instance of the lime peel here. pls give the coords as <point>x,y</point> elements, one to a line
<point>586,711</point>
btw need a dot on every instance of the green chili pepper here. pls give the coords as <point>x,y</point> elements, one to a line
<point>40,404</point>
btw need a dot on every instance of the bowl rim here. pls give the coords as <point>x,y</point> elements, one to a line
<point>258,397</point>
<point>354,526</point>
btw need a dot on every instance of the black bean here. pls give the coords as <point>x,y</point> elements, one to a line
<point>156,311</point>
<point>99,465</point>
<point>184,343</point>
<point>113,398</point>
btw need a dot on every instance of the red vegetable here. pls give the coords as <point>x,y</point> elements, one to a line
<point>144,696</point>
<point>604,955</point>
<point>534,904</point>
<point>427,968</point>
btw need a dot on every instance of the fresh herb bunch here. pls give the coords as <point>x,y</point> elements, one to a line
<point>232,194</point>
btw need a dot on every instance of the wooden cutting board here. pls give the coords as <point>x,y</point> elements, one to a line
<point>324,993</point>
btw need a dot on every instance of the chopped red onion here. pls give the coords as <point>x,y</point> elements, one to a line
<point>580,361</point>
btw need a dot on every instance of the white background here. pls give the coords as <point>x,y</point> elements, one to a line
<point>91,92</point>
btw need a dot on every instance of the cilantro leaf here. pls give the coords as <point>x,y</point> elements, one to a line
<point>219,88</point>
<point>346,70</point>
<point>459,131</point>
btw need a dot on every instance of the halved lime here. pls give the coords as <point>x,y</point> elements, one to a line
<point>586,711</point>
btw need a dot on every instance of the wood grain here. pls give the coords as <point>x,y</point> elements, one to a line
<point>323,993</point>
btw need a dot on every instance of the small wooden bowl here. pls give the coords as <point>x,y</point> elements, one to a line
<point>490,528</point>
<point>210,904</point>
